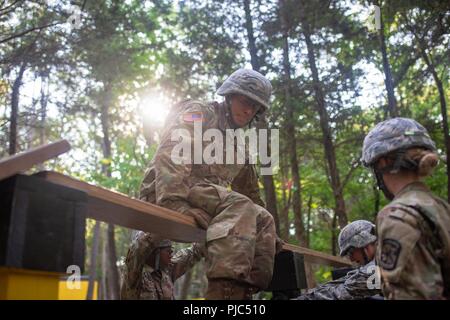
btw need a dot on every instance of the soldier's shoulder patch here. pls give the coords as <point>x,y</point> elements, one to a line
<point>196,116</point>
<point>390,252</point>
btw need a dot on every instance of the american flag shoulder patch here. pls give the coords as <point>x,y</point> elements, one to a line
<point>193,117</point>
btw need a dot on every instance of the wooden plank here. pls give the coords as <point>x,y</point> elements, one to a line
<point>117,208</point>
<point>316,257</point>
<point>25,160</point>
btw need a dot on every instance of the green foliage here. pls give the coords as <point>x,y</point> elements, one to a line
<point>127,167</point>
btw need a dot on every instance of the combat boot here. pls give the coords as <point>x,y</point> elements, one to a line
<point>227,289</point>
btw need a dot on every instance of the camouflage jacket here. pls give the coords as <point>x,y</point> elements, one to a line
<point>356,285</point>
<point>142,282</point>
<point>167,184</point>
<point>414,245</point>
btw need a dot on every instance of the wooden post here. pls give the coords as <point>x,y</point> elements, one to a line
<point>310,278</point>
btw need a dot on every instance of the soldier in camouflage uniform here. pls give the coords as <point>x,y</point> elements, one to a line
<point>223,198</point>
<point>414,229</point>
<point>357,240</point>
<point>150,270</point>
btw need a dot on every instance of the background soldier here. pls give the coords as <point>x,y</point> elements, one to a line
<point>223,198</point>
<point>150,270</point>
<point>414,229</point>
<point>357,240</point>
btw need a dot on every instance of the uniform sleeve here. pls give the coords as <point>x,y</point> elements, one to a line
<point>185,259</point>
<point>353,286</point>
<point>398,232</point>
<point>170,176</point>
<point>246,183</point>
<point>138,253</point>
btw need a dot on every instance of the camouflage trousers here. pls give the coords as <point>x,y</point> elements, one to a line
<point>240,237</point>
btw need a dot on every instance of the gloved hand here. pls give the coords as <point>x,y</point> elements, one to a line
<point>201,217</point>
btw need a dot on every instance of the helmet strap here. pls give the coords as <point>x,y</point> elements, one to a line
<point>400,162</point>
<point>381,185</point>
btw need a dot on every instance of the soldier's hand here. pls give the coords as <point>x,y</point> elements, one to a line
<point>201,217</point>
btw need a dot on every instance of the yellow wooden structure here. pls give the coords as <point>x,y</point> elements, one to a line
<point>21,284</point>
<point>66,292</point>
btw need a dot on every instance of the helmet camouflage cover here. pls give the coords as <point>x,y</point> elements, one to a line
<point>249,83</point>
<point>394,134</point>
<point>148,239</point>
<point>357,234</point>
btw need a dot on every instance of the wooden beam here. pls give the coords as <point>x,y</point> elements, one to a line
<point>117,208</point>
<point>25,160</point>
<point>316,257</point>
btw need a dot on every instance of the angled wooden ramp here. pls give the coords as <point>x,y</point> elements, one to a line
<point>317,257</point>
<point>117,208</point>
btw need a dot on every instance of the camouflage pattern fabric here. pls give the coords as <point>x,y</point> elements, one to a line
<point>240,238</point>
<point>241,235</point>
<point>142,282</point>
<point>414,245</point>
<point>357,234</point>
<point>168,184</point>
<point>353,286</point>
<point>392,135</point>
<point>249,83</point>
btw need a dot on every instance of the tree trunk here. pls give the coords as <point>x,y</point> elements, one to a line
<point>43,111</point>
<point>284,216</point>
<point>269,186</point>
<point>44,94</point>
<point>251,38</point>
<point>290,130</point>
<point>271,199</point>
<point>392,102</point>
<point>15,109</point>
<point>104,288</point>
<point>431,68</point>
<point>333,235</point>
<point>112,272</point>
<point>326,132</point>
<point>93,263</point>
<point>308,221</point>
